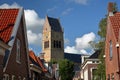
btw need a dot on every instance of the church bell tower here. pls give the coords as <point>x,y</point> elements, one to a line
<point>53,41</point>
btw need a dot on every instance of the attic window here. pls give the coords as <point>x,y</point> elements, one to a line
<point>18,51</point>
<point>110,50</point>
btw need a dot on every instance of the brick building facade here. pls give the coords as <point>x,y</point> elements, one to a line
<point>14,61</point>
<point>112,44</point>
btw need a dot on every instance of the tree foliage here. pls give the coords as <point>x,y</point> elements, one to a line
<point>102,28</point>
<point>66,69</point>
<point>100,72</point>
<point>115,8</point>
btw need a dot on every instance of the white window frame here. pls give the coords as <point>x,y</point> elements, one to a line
<point>6,77</point>
<point>18,59</point>
<point>24,78</point>
<point>13,77</point>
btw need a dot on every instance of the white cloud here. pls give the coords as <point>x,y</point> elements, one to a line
<point>67,11</point>
<point>34,38</point>
<point>83,51</point>
<point>72,49</point>
<point>34,26</point>
<point>5,5</point>
<point>82,44</point>
<point>51,9</point>
<point>33,21</point>
<point>66,41</point>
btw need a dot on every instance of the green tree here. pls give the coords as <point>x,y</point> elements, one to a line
<point>66,69</point>
<point>100,72</point>
<point>115,8</point>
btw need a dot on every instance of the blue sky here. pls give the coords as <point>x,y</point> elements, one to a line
<point>79,18</point>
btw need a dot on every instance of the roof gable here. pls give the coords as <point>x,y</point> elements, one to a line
<point>54,24</point>
<point>36,60</point>
<point>115,23</point>
<point>73,57</point>
<point>95,55</point>
<point>7,22</point>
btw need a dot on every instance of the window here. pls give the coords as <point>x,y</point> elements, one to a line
<point>18,51</point>
<point>24,78</point>
<point>110,50</point>
<point>108,77</point>
<point>97,61</point>
<point>46,44</point>
<point>6,77</point>
<point>54,43</point>
<point>13,77</point>
<point>112,76</point>
<point>19,78</point>
<point>57,44</point>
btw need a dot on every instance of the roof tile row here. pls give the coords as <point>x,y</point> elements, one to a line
<point>7,21</point>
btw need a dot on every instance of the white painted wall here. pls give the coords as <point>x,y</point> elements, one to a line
<point>86,74</point>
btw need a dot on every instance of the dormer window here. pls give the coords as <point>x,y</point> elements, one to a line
<point>18,51</point>
<point>110,50</point>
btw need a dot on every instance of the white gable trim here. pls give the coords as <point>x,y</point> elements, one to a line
<point>89,61</point>
<point>16,25</point>
<point>14,33</point>
<point>26,41</point>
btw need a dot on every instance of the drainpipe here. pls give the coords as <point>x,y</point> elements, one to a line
<point>117,45</point>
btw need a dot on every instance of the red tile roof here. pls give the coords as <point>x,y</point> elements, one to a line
<point>115,22</point>
<point>37,60</point>
<point>7,21</point>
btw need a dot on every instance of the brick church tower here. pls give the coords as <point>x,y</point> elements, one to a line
<point>53,41</point>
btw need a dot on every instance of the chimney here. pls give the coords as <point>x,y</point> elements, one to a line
<point>110,8</point>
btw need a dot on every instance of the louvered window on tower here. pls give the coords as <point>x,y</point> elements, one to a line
<point>57,44</point>
<point>46,44</point>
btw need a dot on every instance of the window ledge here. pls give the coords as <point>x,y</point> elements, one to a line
<point>18,61</point>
